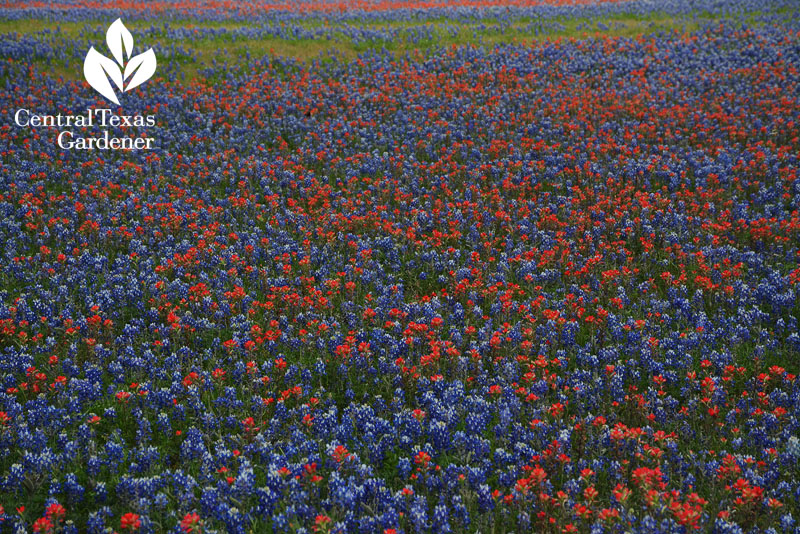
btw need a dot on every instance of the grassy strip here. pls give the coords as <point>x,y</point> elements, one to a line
<point>232,47</point>
<point>568,27</point>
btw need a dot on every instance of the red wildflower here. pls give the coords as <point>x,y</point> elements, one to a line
<point>191,523</point>
<point>130,521</point>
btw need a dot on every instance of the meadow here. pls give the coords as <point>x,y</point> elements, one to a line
<point>405,267</point>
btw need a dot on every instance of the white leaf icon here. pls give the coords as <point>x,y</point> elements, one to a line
<point>97,68</point>
<point>118,38</point>
<point>142,67</point>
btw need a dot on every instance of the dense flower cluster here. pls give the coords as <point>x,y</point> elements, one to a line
<point>547,288</point>
<point>251,8</point>
<point>361,11</point>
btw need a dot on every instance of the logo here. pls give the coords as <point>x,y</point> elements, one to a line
<point>103,125</point>
<point>124,71</point>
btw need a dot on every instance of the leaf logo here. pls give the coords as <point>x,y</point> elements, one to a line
<point>98,69</point>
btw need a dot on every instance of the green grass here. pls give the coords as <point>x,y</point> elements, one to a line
<point>232,47</point>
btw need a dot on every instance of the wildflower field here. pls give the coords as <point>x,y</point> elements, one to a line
<point>439,266</point>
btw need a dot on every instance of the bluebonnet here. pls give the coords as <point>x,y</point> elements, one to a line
<point>469,268</point>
